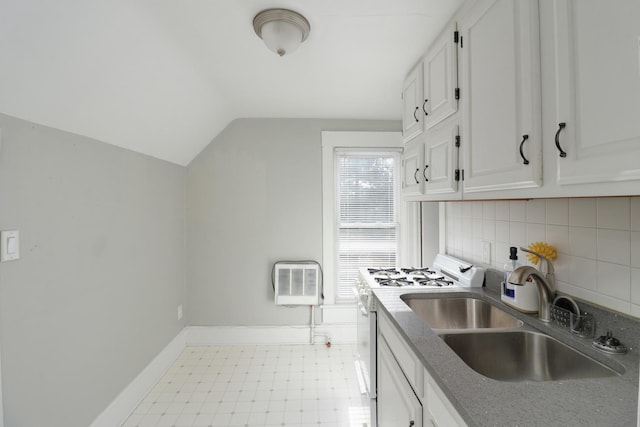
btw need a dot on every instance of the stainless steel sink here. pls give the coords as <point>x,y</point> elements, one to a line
<point>459,313</point>
<point>523,355</point>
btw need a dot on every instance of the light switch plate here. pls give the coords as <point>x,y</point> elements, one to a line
<point>9,245</point>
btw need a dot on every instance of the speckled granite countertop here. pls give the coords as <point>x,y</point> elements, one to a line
<point>482,401</point>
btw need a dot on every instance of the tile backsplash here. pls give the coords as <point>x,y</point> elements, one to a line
<point>597,241</point>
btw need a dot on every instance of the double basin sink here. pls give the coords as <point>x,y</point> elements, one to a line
<point>490,341</point>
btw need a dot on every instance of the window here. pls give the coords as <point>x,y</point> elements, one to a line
<point>366,217</point>
<point>361,209</point>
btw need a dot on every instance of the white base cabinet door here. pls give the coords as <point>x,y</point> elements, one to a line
<point>500,95</point>
<point>398,405</point>
<point>597,72</point>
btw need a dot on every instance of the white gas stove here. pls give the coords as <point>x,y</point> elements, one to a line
<point>445,272</point>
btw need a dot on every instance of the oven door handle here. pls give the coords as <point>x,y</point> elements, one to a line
<point>363,309</point>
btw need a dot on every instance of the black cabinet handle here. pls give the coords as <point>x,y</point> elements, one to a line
<point>415,177</point>
<point>424,173</point>
<point>414,114</point>
<point>524,159</point>
<point>424,104</point>
<point>560,127</point>
<point>412,423</point>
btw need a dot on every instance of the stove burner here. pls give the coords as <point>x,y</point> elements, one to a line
<point>398,281</point>
<point>383,271</point>
<point>434,282</point>
<point>418,271</point>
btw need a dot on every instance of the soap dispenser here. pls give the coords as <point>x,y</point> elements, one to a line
<point>522,298</point>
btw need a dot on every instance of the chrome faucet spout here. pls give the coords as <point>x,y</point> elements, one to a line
<point>549,272</point>
<point>546,294</point>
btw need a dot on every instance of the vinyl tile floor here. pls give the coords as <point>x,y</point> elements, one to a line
<point>257,386</point>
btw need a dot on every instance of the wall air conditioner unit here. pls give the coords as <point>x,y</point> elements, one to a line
<point>296,283</point>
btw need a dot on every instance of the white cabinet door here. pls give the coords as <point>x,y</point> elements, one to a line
<point>500,95</point>
<point>440,79</point>
<point>438,411</point>
<point>398,405</point>
<point>412,116</point>
<point>597,52</point>
<point>413,168</point>
<point>441,160</point>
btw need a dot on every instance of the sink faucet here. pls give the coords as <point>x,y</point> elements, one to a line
<point>549,272</point>
<point>519,277</point>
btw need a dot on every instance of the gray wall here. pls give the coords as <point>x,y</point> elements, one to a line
<point>94,296</point>
<point>255,197</point>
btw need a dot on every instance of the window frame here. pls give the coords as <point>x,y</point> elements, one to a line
<point>355,141</point>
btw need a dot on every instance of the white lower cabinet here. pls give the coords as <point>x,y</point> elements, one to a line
<point>398,405</point>
<point>437,411</point>
<point>407,394</point>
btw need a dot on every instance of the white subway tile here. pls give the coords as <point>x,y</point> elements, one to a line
<point>635,213</point>
<point>583,242</point>
<point>557,211</point>
<point>502,254</point>
<point>558,237</point>
<point>596,298</point>
<point>635,249</point>
<point>582,273</point>
<point>614,246</point>
<point>489,230</point>
<point>518,234</point>
<point>517,211</point>
<point>536,233</point>
<point>614,280</point>
<point>536,211</point>
<point>489,210</point>
<point>467,209</point>
<point>477,228</point>
<point>502,211</point>
<point>635,285</point>
<point>561,267</point>
<point>502,231</point>
<point>477,209</point>
<point>582,212</point>
<point>614,212</point>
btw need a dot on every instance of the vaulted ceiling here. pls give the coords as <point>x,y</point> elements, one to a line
<point>164,77</point>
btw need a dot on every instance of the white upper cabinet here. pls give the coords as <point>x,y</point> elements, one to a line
<point>441,161</point>
<point>500,95</point>
<point>440,79</point>
<point>412,116</point>
<point>413,177</point>
<point>597,88</point>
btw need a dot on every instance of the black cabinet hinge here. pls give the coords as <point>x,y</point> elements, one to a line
<point>457,93</point>
<point>458,141</point>
<point>455,36</point>
<point>457,175</point>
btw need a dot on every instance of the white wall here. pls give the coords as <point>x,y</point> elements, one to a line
<point>597,240</point>
<point>94,296</point>
<point>255,197</point>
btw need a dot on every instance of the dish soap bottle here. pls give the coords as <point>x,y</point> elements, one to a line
<point>522,298</point>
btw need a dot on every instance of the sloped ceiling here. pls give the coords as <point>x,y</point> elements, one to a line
<point>164,77</point>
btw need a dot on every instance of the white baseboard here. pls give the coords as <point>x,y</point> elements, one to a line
<point>276,335</point>
<point>127,401</point>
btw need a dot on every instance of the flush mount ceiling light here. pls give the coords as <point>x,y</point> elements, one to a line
<point>281,29</point>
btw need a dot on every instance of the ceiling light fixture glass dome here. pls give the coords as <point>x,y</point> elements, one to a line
<point>282,30</point>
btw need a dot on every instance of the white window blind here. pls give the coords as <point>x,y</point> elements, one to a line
<point>366,214</point>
